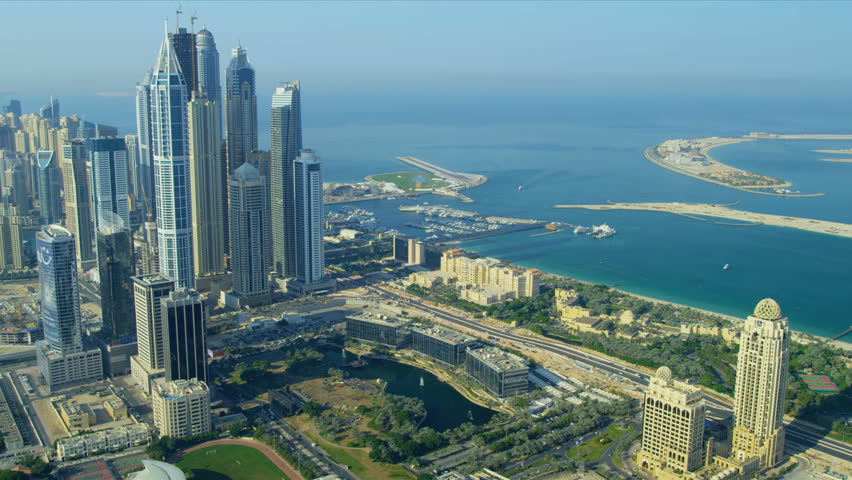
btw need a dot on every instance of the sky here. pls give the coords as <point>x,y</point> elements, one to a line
<point>101,47</point>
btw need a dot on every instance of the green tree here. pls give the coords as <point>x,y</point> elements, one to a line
<point>12,475</point>
<point>35,464</point>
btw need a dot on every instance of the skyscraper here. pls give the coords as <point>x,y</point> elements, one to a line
<point>49,187</point>
<point>60,301</point>
<point>309,222</point>
<point>50,111</point>
<point>11,241</point>
<point>133,189</point>
<point>286,136</point>
<point>116,266</point>
<point>240,109</point>
<point>250,236</point>
<point>761,386</point>
<point>184,321</point>
<point>148,291</point>
<point>78,197</point>
<point>208,212</point>
<point>63,359</point>
<point>144,136</point>
<point>209,84</point>
<point>109,175</point>
<point>13,107</point>
<point>170,148</point>
<point>183,45</point>
<point>673,425</point>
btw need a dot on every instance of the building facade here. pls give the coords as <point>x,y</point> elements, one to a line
<point>170,149</point>
<point>673,426</point>
<point>78,197</point>
<point>49,187</point>
<point>309,228</point>
<point>11,241</point>
<point>63,359</point>
<point>206,168</point>
<point>286,139</point>
<point>182,408</point>
<point>184,321</point>
<point>240,109</point>
<point>501,373</point>
<point>761,386</point>
<point>116,267</point>
<point>145,170</point>
<point>110,185</point>
<point>378,329</point>
<point>150,363</point>
<point>183,44</point>
<point>443,345</point>
<point>251,242</point>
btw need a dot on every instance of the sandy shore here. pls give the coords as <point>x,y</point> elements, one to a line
<point>722,211</point>
<point>801,337</point>
<point>837,160</point>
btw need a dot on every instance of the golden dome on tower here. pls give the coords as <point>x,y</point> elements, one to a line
<point>768,309</point>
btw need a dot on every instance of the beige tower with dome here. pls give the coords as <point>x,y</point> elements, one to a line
<point>673,426</point>
<point>761,386</point>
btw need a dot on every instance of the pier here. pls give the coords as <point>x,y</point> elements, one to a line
<point>464,180</point>
<point>842,334</point>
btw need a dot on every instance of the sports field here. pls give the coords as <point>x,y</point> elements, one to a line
<point>411,181</point>
<point>818,382</point>
<point>230,462</point>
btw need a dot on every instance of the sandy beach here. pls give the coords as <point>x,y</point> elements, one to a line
<point>837,160</point>
<point>725,211</point>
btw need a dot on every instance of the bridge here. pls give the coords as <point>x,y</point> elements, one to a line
<point>843,334</point>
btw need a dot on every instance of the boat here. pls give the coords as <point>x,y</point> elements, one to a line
<point>727,266</point>
<point>551,227</point>
<point>520,187</point>
<point>579,230</point>
<point>602,231</point>
<point>421,381</point>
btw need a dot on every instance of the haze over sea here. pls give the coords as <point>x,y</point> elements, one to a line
<point>565,148</point>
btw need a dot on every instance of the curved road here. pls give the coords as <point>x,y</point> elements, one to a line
<point>718,408</point>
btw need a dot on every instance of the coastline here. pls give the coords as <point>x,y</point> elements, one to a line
<point>651,155</point>
<point>690,210</point>
<point>799,336</point>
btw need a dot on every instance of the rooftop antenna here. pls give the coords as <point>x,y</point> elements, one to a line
<point>177,16</point>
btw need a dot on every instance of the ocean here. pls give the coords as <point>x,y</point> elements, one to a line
<point>564,148</point>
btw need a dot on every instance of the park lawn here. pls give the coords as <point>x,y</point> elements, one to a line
<point>405,180</point>
<point>230,462</point>
<point>357,459</point>
<point>591,450</point>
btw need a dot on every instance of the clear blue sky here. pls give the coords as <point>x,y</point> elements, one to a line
<point>336,47</point>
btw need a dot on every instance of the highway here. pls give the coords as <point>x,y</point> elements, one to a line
<point>717,408</point>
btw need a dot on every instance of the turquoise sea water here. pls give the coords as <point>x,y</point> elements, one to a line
<point>566,149</point>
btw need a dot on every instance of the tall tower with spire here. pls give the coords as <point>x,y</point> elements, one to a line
<point>761,387</point>
<point>170,150</point>
<point>240,109</point>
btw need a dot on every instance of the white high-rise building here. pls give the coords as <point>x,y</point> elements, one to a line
<point>109,175</point>
<point>170,149</point>
<point>145,171</point>
<point>182,408</point>
<point>309,219</point>
<point>148,293</point>
<point>250,236</point>
<point>761,386</point>
<point>207,168</point>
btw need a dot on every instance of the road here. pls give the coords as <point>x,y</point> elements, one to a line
<point>303,445</point>
<point>796,434</point>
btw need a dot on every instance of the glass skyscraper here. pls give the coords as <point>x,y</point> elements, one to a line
<point>60,300</point>
<point>240,109</point>
<point>145,172</point>
<point>109,175</point>
<point>286,136</point>
<point>170,149</point>
<point>310,219</point>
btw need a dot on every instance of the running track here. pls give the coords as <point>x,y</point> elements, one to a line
<point>263,448</point>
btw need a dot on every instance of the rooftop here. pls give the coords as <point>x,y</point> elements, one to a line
<point>379,318</point>
<point>445,334</point>
<point>498,359</point>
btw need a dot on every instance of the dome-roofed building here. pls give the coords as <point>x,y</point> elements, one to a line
<point>768,309</point>
<point>664,374</point>
<point>155,470</point>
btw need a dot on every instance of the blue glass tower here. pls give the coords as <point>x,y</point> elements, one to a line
<point>170,149</point>
<point>60,300</point>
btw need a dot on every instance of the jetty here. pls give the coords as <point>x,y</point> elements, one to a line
<point>725,211</point>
